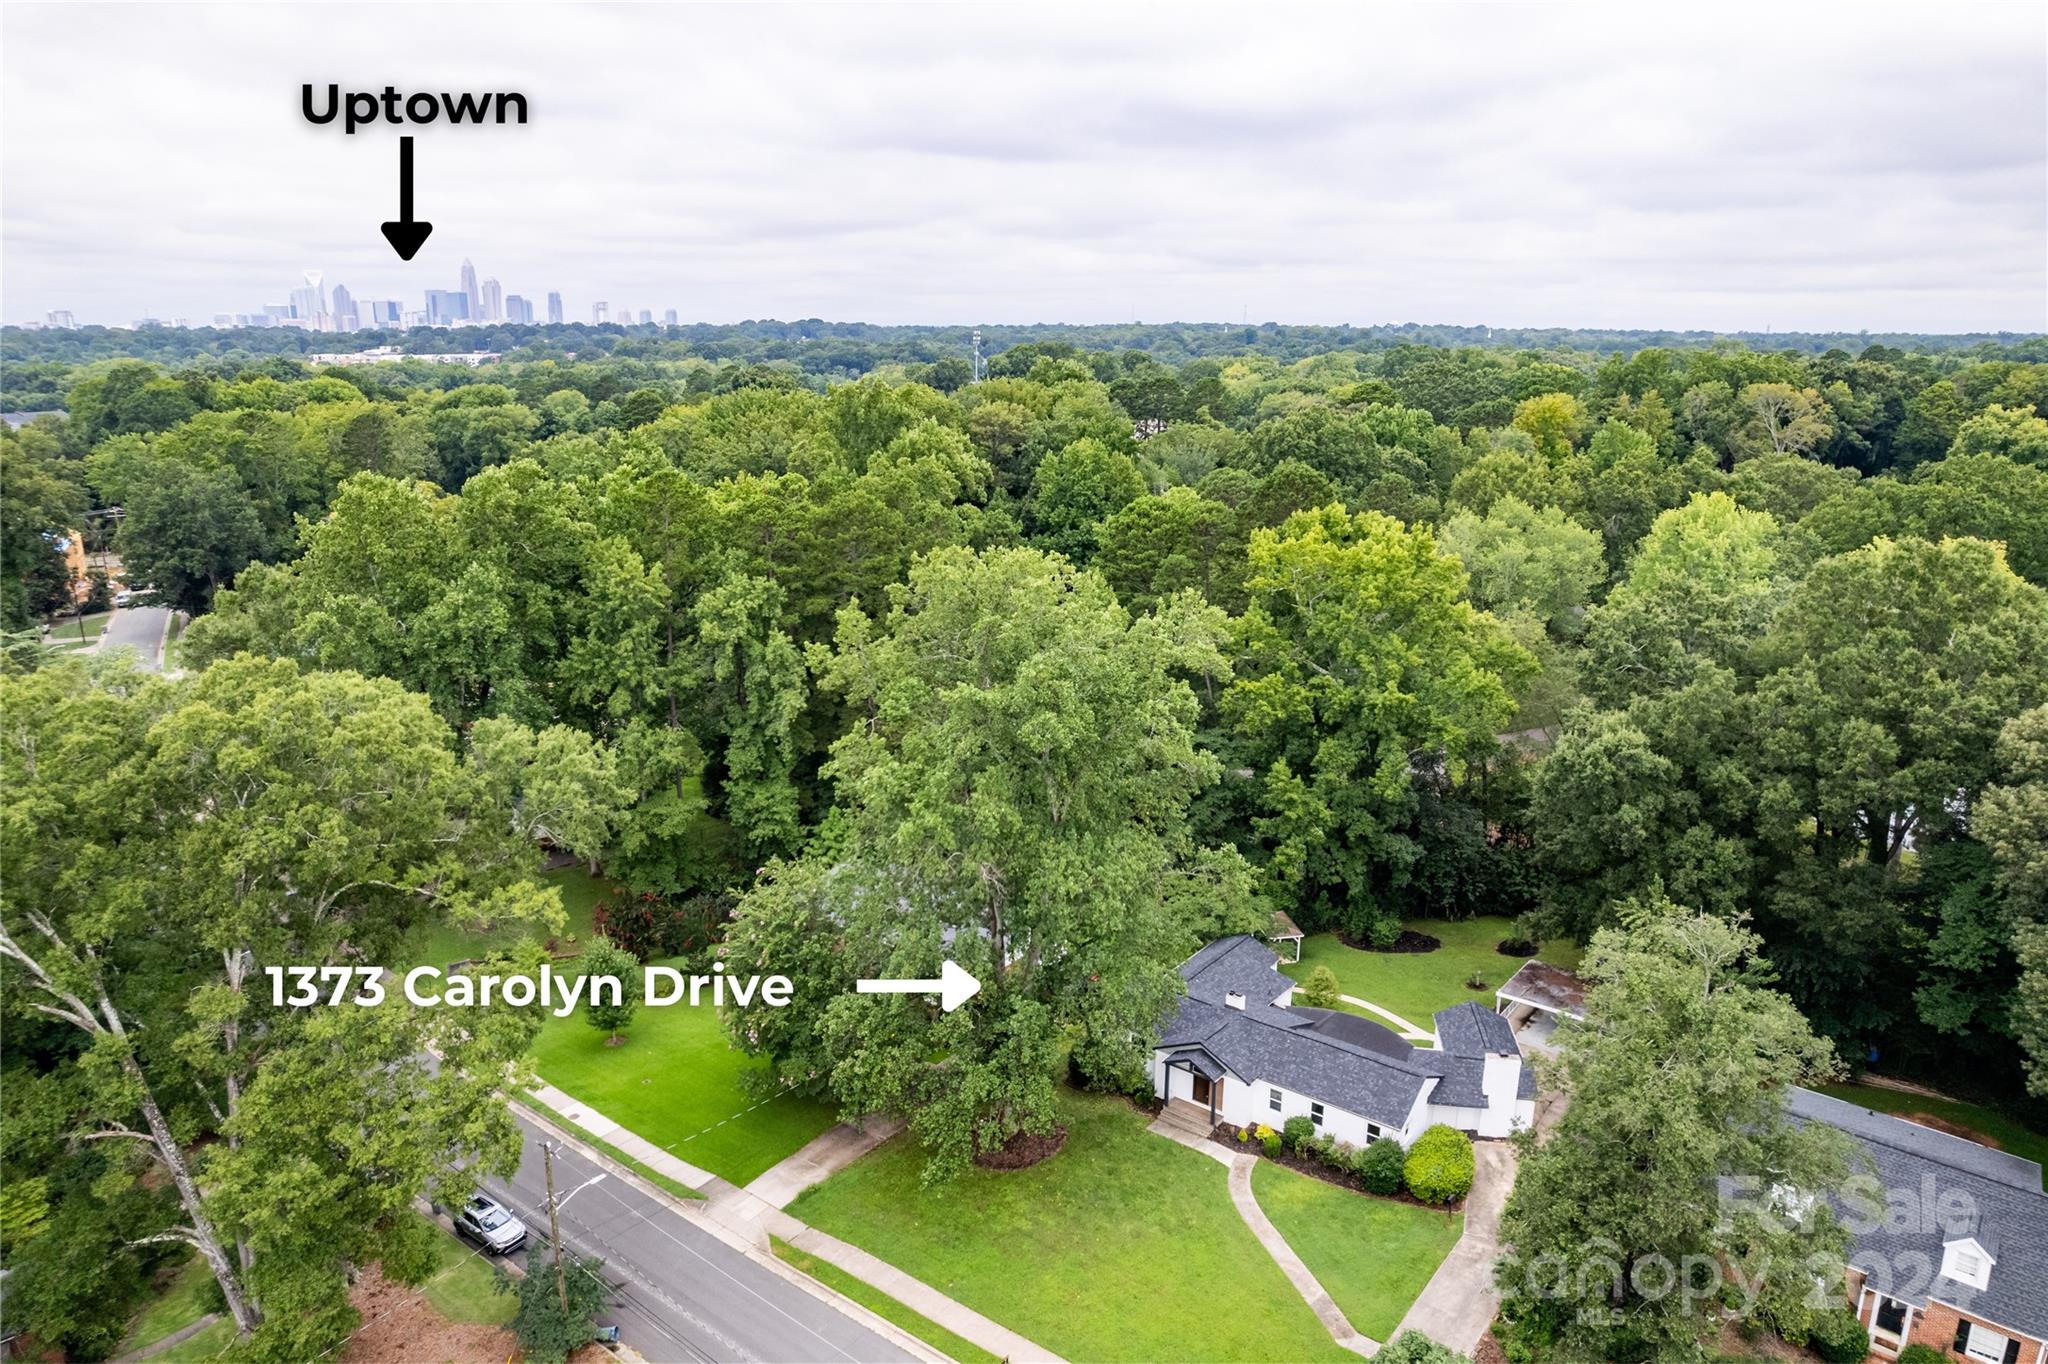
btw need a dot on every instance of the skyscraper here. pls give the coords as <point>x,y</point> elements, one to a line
<point>344,310</point>
<point>646,316</point>
<point>61,317</point>
<point>494,302</point>
<point>599,313</point>
<point>668,319</point>
<point>554,309</point>
<point>446,308</point>
<point>517,309</point>
<point>469,291</point>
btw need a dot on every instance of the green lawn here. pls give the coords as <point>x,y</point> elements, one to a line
<point>186,1298</point>
<point>204,1348</point>
<point>442,943</point>
<point>646,1172</point>
<point>1416,984</point>
<point>1999,1130</point>
<point>882,1305</point>
<point>676,1082</point>
<point>1124,1246</point>
<point>460,1288</point>
<point>1373,1256</point>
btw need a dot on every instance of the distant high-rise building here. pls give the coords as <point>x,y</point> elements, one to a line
<point>518,309</point>
<point>447,308</point>
<point>494,301</point>
<point>554,309</point>
<point>646,317</point>
<point>277,313</point>
<point>344,306</point>
<point>61,317</point>
<point>668,319</point>
<point>378,312</point>
<point>600,312</point>
<point>470,293</point>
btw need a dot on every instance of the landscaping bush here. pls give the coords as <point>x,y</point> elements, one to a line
<point>1439,1165</point>
<point>1298,1132</point>
<point>1922,1354</point>
<point>1413,1347</point>
<point>1270,1140</point>
<point>651,926</point>
<point>1838,1337</point>
<point>1320,990</point>
<point>1379,1167</point>
<point>1323,1148</point>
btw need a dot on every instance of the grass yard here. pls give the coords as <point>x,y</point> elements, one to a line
<point>186,1298</point>
<point>882,1305</point>
<point>1417,984</point>
<point>676,1082</point>
<point>1124,1246</point>
<point>1986,1124</point>
<point>1371,1255</point>
<point>441,943</point>
<point>461,1286</point>
<point>206,1347</point>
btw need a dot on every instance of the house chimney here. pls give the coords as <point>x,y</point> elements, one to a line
<point>1234,1000</point>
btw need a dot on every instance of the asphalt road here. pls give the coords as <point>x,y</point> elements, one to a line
<point>688,1297</point>
<point>140,628</point>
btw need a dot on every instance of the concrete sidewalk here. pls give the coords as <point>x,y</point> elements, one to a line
<point>1312,1292</point>
<point>632,1143</point>
<point>821,1158</point>
<point>1460,1302</point>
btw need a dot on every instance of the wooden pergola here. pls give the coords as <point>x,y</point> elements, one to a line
<point>1284,929</point>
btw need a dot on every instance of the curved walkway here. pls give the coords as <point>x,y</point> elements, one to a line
<point>1460,1302</point>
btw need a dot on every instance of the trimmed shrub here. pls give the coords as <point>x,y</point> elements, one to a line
<point>1922,1354</point>
<point>1270,1140</point>
<point>1379,1166</point>
<point>1320,990</point>
<point>652,926</point>
<point>1298,1132</point>
<point>1413,1347</point>
<point>1323,1147</point>
<point>1439,1165</point>
<point>1838,1337</point>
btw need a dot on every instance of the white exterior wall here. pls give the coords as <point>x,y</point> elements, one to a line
<point>1243,1104</point>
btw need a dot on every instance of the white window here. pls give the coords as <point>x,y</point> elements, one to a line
<point>1315,1114</point>
<point>1372,1131</point>
<point>1273,1099</point>
<point>1965,1262</point>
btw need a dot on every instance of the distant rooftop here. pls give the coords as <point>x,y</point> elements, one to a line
<point>1546,987</point>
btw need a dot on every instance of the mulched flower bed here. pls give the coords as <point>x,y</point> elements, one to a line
<point>1226,1135</point>
<point>1409,941</point>
<point>1516,947</point>
<point>1024,1149</point>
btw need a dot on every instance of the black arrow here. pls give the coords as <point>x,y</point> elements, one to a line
<point>405,235</point>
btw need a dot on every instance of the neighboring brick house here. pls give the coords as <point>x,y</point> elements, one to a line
<point>1950,1244</point>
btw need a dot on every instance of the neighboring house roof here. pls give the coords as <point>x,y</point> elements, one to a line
<point>1546,987</point>
<point>1282,926</point>
<point>1335,1058</point>
<point>1951,1189</point>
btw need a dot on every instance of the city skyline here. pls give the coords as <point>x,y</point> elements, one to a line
<point>1411,164</point>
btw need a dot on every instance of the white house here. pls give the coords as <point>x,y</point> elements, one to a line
<point>1240,1051</point>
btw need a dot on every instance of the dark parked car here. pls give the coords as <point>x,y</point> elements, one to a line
<point>486,1222</point>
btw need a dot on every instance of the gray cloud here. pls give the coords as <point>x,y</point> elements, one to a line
<point>1597,165</point>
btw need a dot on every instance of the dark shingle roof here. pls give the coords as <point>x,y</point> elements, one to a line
<point>1472,1029</point>
<point>1974,1191</point>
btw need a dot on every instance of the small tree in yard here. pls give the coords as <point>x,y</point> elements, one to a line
<point>1321,990</point>
<point>1379,1167</point>
<point>603,959</point>
<point>554,1316</point>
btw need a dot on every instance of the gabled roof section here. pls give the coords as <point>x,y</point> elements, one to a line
<point>1472,1029</point>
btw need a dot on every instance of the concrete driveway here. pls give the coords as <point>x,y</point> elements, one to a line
<point>1460,1302</point>
<point>140,628</point>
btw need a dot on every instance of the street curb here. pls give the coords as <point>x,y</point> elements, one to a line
<point>692,1211</point>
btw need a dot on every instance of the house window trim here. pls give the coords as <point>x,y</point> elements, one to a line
<point>1273,1099</point>
<point>1315,1114</point>
<point>1969,1331</point>
<point>1373,1131</point>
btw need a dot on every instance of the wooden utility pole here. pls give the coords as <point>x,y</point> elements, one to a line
<point>547,1160</point>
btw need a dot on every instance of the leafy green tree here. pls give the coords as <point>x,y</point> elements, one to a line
<point>164,844</point>
<point>1173,542</point>
<point>40,504</point>
<point>754,681</point>
<point>1520,558</point>
<point>557,1305</point>
<point>1075,490</point>
<point>1555,421</point>
<point>612,1018</point>
<point>2017,433</point>
<point>1016,794</point>
<point>1615,1238</point>
<point>1358,654</point>
<point>1320,990</point>
<point>187,533</point>
<point>2011,818</point>
<point>1780,419</point>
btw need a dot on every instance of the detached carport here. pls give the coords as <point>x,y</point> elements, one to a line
<point>1535,997</point>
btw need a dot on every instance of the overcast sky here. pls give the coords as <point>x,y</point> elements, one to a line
<point>1788,166</point>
